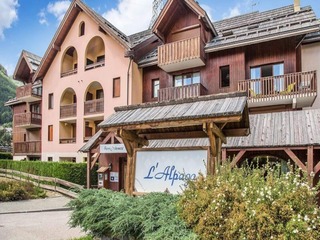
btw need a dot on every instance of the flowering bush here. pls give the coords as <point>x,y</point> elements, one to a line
<point>251,203</point>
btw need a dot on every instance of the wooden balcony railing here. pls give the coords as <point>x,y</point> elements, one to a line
<point>68,111</point>
<point>95,65</point>
<point>29,119</point>
<point>31,147</point>
<point>28,91</point>
<point>294,84</point>
<point>181,54</point>
<point>69,72</point>
<point>93,106</point>
<point>188,91</point>
<point>67,140</point>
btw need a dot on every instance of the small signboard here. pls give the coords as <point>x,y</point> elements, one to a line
<point>158,171</point>
<point>112,148</point>
<point>114,177</point>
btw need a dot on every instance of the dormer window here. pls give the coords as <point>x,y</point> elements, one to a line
<point>81,29</point>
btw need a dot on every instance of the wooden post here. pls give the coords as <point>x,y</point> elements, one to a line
<point>310,165</point>
<point>224,155</point>
<point>88,170</point>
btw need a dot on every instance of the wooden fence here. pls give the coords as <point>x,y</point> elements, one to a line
<point>54,183</point>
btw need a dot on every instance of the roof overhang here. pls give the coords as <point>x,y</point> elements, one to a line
<point>171,7</point>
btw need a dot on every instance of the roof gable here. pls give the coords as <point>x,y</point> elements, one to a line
<point>75,8</point>
<point>27,64</point>
<point>169,12</point>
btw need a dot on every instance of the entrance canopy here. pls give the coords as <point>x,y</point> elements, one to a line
<point>214,117</point>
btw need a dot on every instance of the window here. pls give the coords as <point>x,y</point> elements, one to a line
<point>49,159</point>
<point>186,79</point>
<point>81,29</point>
<point>50,133</point>
<point>267,71</point>
<point>225,76</point>
<point>50,101</point>
<point>99,94</point>
<point>116,87</point>
<point>155,87</point>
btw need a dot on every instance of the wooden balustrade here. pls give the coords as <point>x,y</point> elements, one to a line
<point>69,72</point>
<point>30,147</point>
<point>300,83</point>
<point>94,106</point>
<point>181,54</point>
<point>68,111</point>
<point>95,65</point>
<point>27,119</point>
<point>188,91</point>
<point>67,140</point>
<point>27,91</point>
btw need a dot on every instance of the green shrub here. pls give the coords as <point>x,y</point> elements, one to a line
<point>5,155</point>
<point>14,191</point>
<point>72,172</point>
<point>114,214</point>
<point>251,203</point>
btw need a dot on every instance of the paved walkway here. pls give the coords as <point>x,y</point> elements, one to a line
<point>37,219</point>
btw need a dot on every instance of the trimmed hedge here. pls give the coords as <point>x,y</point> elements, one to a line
<point>72,172</point>
<point>5,155</point>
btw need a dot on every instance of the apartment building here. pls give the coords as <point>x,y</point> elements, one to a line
<point>90,68</point>
<point>82,76</point>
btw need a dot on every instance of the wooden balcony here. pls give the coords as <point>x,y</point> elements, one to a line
<point>27,120</point>
<point>67,140</point>
<point>299,89</point>
<point>27,93</point>
<point>95,65</point>
<point>27,148</point>
<point>175,93</point>
<point>95,106</point>
<point>68,111</point>
<point>184,54</point>
<point>69,72</point>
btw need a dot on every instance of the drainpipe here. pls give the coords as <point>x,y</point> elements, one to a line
<point>128,78</point>
<point>296,5</point>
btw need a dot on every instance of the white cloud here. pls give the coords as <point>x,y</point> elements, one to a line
<point>43,17</point>
<point>208,9</point>
<point>232,12</point>
<point>58,8</point>
<point>130,16</point>
<point>8,14</point>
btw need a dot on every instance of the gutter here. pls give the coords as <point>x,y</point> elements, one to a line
<point>128,78</point>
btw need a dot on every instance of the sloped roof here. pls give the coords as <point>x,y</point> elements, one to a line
<point>281,129</point>
<point>183,117</point>
<point>263,26</point>
<point>75,8</point>
<point>27,64</point>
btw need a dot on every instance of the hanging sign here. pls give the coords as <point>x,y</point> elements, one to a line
<point>112,148</point>
<point>158,171</point>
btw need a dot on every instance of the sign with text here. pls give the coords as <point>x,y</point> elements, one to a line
<point>157,171</point>
<point>112,148</point>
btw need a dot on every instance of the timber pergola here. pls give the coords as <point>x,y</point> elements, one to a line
<point>291,135</point>
<point>214,117</point>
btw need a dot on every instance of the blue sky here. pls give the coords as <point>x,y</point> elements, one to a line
<point>31,24</point>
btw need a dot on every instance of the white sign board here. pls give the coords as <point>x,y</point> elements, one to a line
<point>114,177</point>
<point>157,171</point>
<point>112,148</point>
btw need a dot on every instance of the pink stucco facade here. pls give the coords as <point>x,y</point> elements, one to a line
<point>68,133</point>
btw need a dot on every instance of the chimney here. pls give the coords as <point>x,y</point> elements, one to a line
<point>296,5</point>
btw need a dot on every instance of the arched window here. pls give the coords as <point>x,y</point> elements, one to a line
<point>95,53</point>
<point>69,63</point>
<point>81,29</point>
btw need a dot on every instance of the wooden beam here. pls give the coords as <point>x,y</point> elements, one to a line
<point>317,168</point>
<point>212,140</point>
<point>88,170</point>
<point>310,165</point>
<point>95,160</point>
<point>128,147</point>
<point>224,154</point>
<point>217,131</point>
<point>218,150</point>
<point>177,123</point>
<point>174,135</point>
<point>295,159</point>
<point>237,158</point>
<point>133,137</point>
<point>239,132</point>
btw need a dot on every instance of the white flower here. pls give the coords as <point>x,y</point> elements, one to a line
<point>295,231</point>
